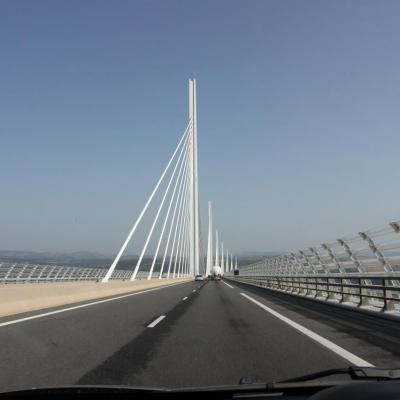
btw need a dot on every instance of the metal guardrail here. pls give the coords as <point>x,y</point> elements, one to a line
<point>363,270</point>
<point>379,292</point>
<point>36,273</point>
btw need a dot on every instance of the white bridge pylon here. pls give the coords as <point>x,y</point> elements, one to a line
<point>218,262</point>
<point>184,255</point>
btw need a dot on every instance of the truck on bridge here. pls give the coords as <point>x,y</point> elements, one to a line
<point>216,273</point>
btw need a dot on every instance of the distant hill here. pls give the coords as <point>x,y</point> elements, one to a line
<point>28,254</point>
<point>97,260</point>
<point>80,258</point>
<point>260,253</point>
<point>77,259</point>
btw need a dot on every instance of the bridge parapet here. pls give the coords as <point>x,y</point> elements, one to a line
<point>16,299</point>
<point>361,270</point>
<point>44,273</point>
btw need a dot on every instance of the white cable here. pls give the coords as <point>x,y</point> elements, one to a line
<point>186,259</point>
<point>216,249</point>
<point>121,251</point>
<point>181,270</point>
<point>178,179</point>
<point>187,244</point>
<point>177,224</point>
<point>182,257</point>
<point>187,247</point>
<point>133,277</point>
<point>185,211</point>
<point>178,200</point>
<point>180,242</point>
<point>180,219</point>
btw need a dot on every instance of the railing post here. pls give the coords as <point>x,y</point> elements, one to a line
<point>314,251</point>
<point>327,289</point>
<point>291,284</point>
<point>361,300</point>
<point>364,291</point>
<point>342,293</point>
<point>388,303</point>
<point>298,285</point>
<point>316,287</point>
<point>353,258</point>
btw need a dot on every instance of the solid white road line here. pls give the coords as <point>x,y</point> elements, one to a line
<point>227,284</point>
<point>15,321</point>
<point>156,321</point>
<point>359,362</point>
<point>185,298</point>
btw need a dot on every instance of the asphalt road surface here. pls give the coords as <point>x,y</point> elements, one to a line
<point>190,334</point>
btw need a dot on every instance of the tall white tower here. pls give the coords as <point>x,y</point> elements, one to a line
<point>222,258</point>
<point>194,185</point>
<point>210,241</point>
<point>216,249</point>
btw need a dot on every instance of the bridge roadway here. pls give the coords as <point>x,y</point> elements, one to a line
<point>211,334</point>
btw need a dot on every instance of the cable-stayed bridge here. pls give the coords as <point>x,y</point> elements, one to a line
<point>332,305</point>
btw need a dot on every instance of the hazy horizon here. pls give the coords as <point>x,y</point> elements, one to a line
<point>125,255</point>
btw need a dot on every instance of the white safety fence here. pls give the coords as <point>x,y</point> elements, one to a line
<point>362,270</point>
<point>35,273</point>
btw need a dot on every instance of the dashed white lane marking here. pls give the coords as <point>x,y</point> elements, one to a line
<point>185,298</point>
<point>156,321</point>
<point>15,321</point>
<point>359,362</point>
<point>227,284</point>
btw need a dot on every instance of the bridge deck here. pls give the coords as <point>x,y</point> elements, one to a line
<point>214,336</point>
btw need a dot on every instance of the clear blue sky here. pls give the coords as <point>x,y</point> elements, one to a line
<point>298,108</point>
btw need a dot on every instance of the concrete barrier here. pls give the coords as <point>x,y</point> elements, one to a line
<point>16,299</point>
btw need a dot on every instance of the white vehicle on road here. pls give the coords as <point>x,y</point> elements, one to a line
<point>216,273</point>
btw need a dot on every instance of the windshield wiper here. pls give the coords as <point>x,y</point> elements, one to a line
<point>355,373</point>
